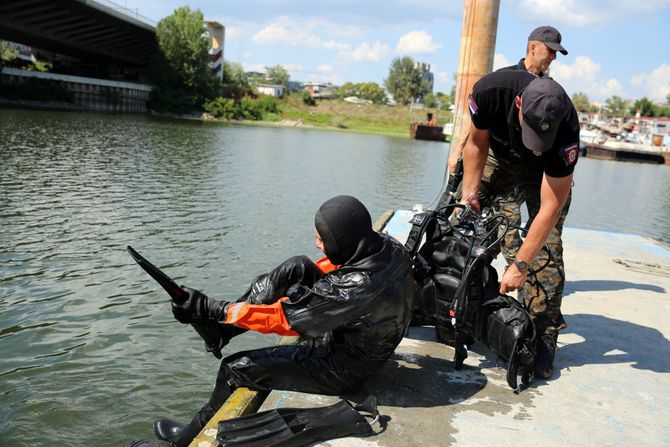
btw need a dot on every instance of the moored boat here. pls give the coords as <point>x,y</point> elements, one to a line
<point>421,131</point>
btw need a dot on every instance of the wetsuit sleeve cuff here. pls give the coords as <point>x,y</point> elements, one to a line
<point>263,318</point>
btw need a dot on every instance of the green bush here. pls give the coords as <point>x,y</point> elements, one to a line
<point>267,104</point>
<point>339,122</point>
<point>173,100</point>
<point>249,109</point>
<point>222,108</point>
<point>307,99</point>
<point>272,117</point>
<point>429,101</point>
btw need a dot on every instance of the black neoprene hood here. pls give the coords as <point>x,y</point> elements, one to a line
<point>345,227</point>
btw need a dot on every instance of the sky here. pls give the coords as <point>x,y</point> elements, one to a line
<point>615,47</point>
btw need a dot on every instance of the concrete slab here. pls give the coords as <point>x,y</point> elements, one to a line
<point>612,379</point>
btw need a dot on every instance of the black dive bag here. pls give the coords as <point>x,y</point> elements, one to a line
<point>458,289</point>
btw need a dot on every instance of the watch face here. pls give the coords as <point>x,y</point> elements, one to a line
<point>521,265</point>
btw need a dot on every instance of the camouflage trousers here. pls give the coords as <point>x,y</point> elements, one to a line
<point>506,186</point>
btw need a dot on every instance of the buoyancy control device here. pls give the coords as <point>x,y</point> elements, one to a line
<point>459,289</point>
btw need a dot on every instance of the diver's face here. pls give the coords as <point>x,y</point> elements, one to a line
<point>319,243</point>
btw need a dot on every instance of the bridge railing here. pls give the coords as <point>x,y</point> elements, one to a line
<point>126,11</point>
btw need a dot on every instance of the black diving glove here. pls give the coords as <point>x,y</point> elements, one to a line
<point>199,308</point>
<point>207,317</point>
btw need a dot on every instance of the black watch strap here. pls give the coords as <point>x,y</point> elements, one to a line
<point>521,265</point>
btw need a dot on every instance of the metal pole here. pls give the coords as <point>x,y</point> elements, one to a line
<point>478,41</point>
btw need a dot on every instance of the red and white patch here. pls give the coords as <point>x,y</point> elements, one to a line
<point>570,154</point>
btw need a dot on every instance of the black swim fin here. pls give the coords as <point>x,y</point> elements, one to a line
<point>294,427</point>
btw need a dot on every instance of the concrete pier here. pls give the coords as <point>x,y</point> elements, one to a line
<point>611,384</point>
<point>99,95</point>
<point>623,151</point>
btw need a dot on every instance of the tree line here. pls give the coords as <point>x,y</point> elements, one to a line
<point>183,81</point>
<point>618,106</point>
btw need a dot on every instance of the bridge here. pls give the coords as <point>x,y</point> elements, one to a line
<point>96,31</point>
<point>98,50</point>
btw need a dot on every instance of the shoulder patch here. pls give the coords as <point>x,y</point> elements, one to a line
<point>570,153</point>
<point>473,107</point>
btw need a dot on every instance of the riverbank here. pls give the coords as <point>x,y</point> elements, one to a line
<point>331,114</point>
<point>342,115</point>
<point>339,115</point>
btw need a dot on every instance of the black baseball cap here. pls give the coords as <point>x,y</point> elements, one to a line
<point>544,106</point>
<point>549,36</point>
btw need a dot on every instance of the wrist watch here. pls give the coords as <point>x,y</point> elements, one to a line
<point>521,265</point>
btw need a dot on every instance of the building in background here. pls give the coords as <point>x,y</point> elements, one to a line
<point>270,89</point>
<point>216,34</point>
<point>427,77</point>
<point>321,90</point>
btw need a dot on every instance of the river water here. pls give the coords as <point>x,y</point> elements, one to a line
<point>89,352</point>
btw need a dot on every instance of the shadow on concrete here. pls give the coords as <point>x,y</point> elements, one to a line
<point>423,379</point>
<point>605,341</point>
<point>598,285</point>
<point>610,341</point>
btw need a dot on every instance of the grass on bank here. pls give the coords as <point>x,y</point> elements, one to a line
<point>338,114</point>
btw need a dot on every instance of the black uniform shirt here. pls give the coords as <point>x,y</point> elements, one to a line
<point>492,108</point>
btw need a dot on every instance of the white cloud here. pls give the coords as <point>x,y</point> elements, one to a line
<point>322,73</point>
<point>500,61</point>
<point>584,68</point>
<point>258,68</point>
<point>656,84</point>
<point>558,12</point>
<point>337,29</point>
<point>582,13</point>
<point>285,31</point>
<point>366,52</point>
<point>417,42</point>
<point>324,68</point>
<point>583,76</point>
<point>296,68</point>
<point>607,89</point>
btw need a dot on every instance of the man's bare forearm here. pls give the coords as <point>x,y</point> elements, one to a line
<point>553,195</point>
<point>475,153</point>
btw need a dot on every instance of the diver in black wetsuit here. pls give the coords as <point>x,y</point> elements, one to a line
<point>350,310</point>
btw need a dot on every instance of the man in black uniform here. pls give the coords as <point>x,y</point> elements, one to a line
<point>350,310</point>
<point>523,145</point>
<point>543,44</point>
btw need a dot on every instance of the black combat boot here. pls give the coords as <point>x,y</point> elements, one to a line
<point>179,433</point>
<point>544,358</point>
